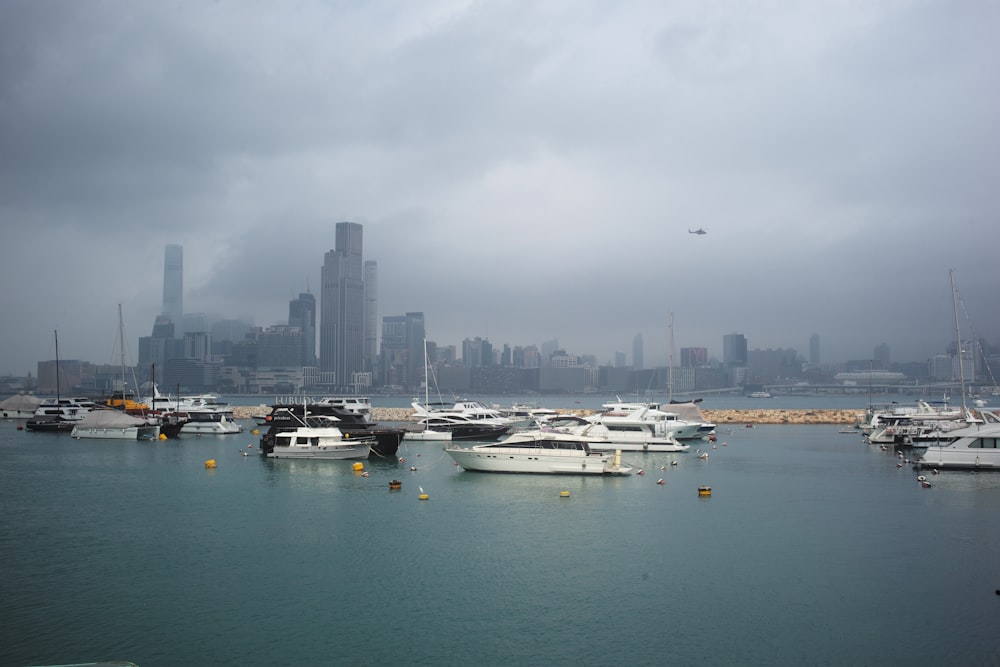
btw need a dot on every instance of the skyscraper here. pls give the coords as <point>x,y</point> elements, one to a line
<point>173,283</point>
<point>342,323</point>
<point>302,314</point>
<point>415,335</point>
<point>371,315</point>
<point>637,352</point>
<point>734,350</point>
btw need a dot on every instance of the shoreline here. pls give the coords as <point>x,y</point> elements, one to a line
<point>756,416</point>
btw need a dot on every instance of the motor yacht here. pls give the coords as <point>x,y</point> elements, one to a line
<point>540,452</point>
<point>976,447</point>
<point>318,437</point>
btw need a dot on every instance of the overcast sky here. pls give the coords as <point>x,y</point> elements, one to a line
<point>523,170</point>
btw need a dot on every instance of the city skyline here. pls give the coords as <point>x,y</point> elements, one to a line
<point>522,171</point>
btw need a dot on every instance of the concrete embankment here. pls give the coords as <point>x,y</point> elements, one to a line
<point>715,416</point>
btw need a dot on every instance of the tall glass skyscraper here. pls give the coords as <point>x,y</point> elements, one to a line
<point>302,314</point>
<point>342,325</point>
<point>173,283</point>
<point>371,315</point>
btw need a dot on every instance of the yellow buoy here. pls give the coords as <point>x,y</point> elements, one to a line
<point>358,466</point>
<point>209,464</point>
<point>163,436</point>
<point>704,490</point>
<point>564,494</point>
<point>255,431</point>
<point>423,496</point>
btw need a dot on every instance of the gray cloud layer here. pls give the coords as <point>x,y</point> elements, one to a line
<point>523,170</point>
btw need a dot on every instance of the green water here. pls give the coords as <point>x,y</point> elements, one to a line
<point>812,549</point>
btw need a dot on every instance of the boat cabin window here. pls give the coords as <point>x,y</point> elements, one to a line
<point>984,443</point>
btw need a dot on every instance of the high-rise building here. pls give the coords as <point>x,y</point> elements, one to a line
<point>734,350</point>
<point>341,332</point>
<point>302,314</point>
<point>279,347</point>
<point>415,334</point>
<point>694,357</point>
<point>637,352</point>
<point>814,349</point>
<point>881,356</point>
<point>393,360</point>
<point>173,283</point>
<point>371,315</point>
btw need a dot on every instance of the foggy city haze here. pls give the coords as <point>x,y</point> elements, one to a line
<point>523,171</point>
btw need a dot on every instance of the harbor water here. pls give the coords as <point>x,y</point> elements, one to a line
<point>813,548</point>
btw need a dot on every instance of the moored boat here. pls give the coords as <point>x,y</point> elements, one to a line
<point>111,424</point>
<point>975,448</point>
<point>318,437</point>
<point>540,452</point>
<point>19,406</point>
<point>385,443</point>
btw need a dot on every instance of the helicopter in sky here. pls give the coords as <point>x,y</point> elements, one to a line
<point>698,231</point>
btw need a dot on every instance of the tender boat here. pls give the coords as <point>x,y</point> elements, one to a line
<point>318,438</point>
<point>975,447</point>
<point>428,434</point>
<point>540,452</point>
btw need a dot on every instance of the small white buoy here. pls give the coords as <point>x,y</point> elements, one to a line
<point>673,463</point>
<point>659,481</point>
<point>641,472</point>
<point>413,468</point>
<point>921,478</point>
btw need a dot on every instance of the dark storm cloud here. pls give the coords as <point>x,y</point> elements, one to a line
<point>523,171</point>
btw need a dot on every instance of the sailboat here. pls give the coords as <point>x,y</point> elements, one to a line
<point>976,446</point>
<point>61,415</point>
<point>428,432</point>
<point>123,417</point>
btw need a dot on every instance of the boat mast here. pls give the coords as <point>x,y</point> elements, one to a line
<point>958,343</point>
<point>427,380</point>
<point>670,364</point>
<point>121,342</point>
<point>57,366</point>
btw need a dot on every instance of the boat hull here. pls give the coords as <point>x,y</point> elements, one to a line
<point>969,459</point>
<point>130,433</point>
<point>534,461</point>
<point>340,452</point>
<point>222,427</point>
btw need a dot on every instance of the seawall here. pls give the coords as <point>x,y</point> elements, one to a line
<point>843,417</point>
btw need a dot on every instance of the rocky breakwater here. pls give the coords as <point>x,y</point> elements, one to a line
<point>843,417</point>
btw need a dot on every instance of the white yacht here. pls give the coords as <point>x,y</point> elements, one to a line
<point>476,411</point>
<point>59,415</point>
<point>319,438</point>
<point>626,436</point>
<point>109,424</point>
<point>540,452</point>
<point>358,405</point>
<point>638,422</point>
<point>975,447</point>
<point>461,427</point>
